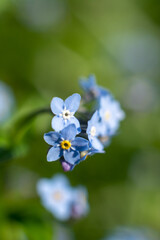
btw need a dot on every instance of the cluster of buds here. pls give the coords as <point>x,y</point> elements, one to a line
<point>82,126</point>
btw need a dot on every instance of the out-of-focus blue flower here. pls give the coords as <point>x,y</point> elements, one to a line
<point>111,114</point>
<point>7,102</point>
<point>63,201</point>
<point>65,144</point>
<point>80,205</point>
<point>93,131</point>
<point>132,234</point>
<point>64,111</point>
<point>56,196</point>
<point>90,87</point>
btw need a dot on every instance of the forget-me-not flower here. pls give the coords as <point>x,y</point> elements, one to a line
<point>64,111</point>
<point>93,131</point>
<point>76,139</point>
<point>65,144</point>
<point>62,200</point>
<point>111,114</point>
<point>90,87</point>
<point>80,206</point>
<point>56,196</point>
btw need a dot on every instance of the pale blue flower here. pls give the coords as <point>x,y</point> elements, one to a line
<point>90,87</point>
<point>7,102</point>
<point>80,206</point>
<point>111,114</point>
<point>64,111</point>
<point>62,200</point>
<point>94,130</point>
<point>56,196</point>
<point>65,144</point>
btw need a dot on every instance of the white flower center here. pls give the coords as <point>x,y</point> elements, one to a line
<point>93,131</point>
<point>107,115</point>
<point>66,114</point>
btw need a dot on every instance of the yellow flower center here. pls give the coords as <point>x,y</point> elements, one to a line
<point>65,144</point>
<point>83,154</point>
<point>107,115</point>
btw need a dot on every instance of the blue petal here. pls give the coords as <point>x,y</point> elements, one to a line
<point>93,122</point>
<point>69,132</point>
<point>54,154</point>
<point>103,91</point>
<point>89,83</point>
<point>57,105</point>
<point>72,103</point>
<point>75,121</point>
<point>58,123</point>
<point>71,156</point>
<point>51,138</point>
<point>80,144</point>
<point>97,144</point>
<point>92,80</point>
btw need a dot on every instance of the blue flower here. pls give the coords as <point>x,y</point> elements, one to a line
<point>93,131</point>
<point>90,87</point>
<point>63,201</point>
<point>111,114</point>
<point>80,206</point>
<point>56,196</point>
<point>64,111</point>
<point>65,144</point>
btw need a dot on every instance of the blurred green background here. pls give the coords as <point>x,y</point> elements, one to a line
<point>45,46</point>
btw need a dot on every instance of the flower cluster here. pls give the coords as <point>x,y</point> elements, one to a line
<point>73,139</point>
<point>62,200</point>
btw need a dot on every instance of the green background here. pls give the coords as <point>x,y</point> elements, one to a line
<point>45,46</point>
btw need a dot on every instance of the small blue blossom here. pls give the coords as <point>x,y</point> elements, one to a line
<point>80,206</point>
<point>93,131</point>
<point>64,111</point>
<point>56,196</point>
<point>65,144</point>
<point>90,87</point>
<point>111,114</point>
<point>62,200</point>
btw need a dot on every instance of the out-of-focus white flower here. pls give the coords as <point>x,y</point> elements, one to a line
<point>7,102</point>
<point>56,196</point>
<point>63,201</point>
